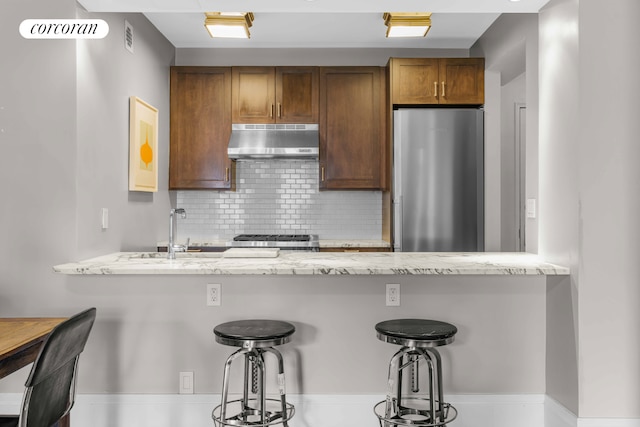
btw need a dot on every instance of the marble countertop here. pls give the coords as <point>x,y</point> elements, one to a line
<point>318,263</point>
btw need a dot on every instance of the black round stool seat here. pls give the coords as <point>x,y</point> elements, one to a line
<point>417,333</point>
<point>254,333</point>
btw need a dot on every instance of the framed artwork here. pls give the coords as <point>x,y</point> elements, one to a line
<point>143,146</point>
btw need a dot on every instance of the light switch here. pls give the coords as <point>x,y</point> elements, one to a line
<point>531,208</point>
<point>105,218</point>
<point>186,383</point>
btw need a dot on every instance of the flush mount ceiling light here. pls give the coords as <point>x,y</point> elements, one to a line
<point>229,24</point>
<point>407,24</point>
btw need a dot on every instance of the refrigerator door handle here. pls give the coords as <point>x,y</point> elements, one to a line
<point>397,232</point>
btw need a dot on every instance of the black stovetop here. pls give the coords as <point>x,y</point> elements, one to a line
<point>283,241</point>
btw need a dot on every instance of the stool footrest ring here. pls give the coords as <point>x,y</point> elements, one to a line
<point>241,415</point>
<point>406,416</point>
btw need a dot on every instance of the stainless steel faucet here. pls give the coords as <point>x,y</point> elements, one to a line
<point>174,247</point>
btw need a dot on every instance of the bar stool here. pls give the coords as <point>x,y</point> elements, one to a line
<point>254,337</point>
<point>418,338</point>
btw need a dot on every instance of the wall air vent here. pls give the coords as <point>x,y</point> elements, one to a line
<point>128,36</point>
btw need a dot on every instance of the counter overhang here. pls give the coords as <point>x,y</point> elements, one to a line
<point>319,263</point>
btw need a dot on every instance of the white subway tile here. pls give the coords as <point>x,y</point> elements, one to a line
<point>279,196</point>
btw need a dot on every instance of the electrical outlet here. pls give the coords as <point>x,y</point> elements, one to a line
<point>186,383</point>
<point>213,294</point>
<point>393,294</point>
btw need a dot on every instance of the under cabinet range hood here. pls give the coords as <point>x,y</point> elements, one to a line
<point>274,141</point>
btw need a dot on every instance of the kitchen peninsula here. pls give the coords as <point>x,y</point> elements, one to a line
<point>317,263</point>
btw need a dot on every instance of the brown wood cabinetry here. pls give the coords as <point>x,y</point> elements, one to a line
<point>275,94</point>
<point>456,81</point>
<point>352,128</point>
<point>200,128</point>
<point>414,80</point>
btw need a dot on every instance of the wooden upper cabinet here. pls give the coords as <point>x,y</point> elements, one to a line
<point>275,95</point>
<point>253,91</point>
<point>297,92</point>
<point>200,119</point>
<point>462,81</point>
<point>352,128</point>
<point>414,80</point>
<point>417,81</point>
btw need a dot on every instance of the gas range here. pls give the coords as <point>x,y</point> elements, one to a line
<point>296,242</point>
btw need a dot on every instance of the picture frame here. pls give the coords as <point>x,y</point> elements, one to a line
<point>143,146</point>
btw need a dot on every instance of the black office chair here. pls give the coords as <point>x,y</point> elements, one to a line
<point>50,388</point>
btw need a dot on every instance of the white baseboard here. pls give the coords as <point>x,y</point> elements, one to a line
<point>608,422</point>
<point>556,415</point>
<point>171,410</point>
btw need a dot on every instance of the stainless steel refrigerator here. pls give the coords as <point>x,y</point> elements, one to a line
<point>438,180</point>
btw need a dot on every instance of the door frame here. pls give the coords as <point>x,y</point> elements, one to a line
<point>520,138</point>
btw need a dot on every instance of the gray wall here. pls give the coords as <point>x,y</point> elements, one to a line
<point>150,329</point>
<point>559,192</point>
<point>609,177</point>
<point>512,93</point>
<point>589,196</point>
<point>64,108</point>
<point>510,48</point>
<point>37,165</point>
<point>108,75</point>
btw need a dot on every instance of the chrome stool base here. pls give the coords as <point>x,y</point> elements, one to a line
<point>405,404</point>
<point>255,339</point>
<point>246,415</point>
<point>412,416</point>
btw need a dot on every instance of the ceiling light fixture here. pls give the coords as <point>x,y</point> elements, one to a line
<point>407,24</point>
<point>229,24</point>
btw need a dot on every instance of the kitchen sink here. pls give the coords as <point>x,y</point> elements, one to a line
<point>179,255</point>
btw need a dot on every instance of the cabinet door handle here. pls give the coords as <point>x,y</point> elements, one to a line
<point>322,174</point>
<point>435,89</point>
<point>271,112</point>
<point>279,109</point>
<point>226,175</point>
<point>443,95</point>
